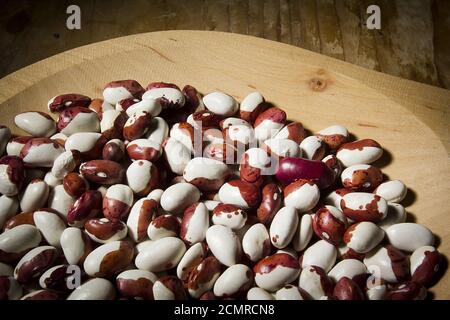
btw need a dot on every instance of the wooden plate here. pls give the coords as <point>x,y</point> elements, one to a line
<point>410,120</point>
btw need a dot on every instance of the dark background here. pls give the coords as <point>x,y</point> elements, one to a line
<point>413,43</point>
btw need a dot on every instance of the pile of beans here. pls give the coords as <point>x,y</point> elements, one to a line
<point>162,193</point>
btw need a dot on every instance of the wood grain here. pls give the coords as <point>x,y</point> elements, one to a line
<point>412,44</point>
<point>410,120</point>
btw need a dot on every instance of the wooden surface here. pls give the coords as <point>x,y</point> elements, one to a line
<point>413,42</point>
<point>410,120</point>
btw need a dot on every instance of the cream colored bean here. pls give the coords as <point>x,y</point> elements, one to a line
<point>193,256</point>
<point>363,151</point>
<point>347,268</point>
<point>65,163</point>
<point>392,191</point>
<point>362,237</point>
<point>19,239</point>
<point>34,196</point>
<point>409,236</point>
<point>207,174</point>
<point>283,147</point>
<point>234,280</point>
<point>283,226</point>
<point>162,254</point>
<point>60,200</point>
<point>75,245</point>
<point>171,96</point>
<point>8,208</point>
<point>302,195</point>
<point>290,292</point>
<point>195,223</point>
<point>178,197</point>
<point>37,124</point>
<point>151,106</point>
<point>221,104</point>
<point>303,233</point>
<point>256,242</point>
<point>321,254</point>
<point>224,244</point>
<point>259,294</point>
<point>177,155</point>
<point>94,289</point>
<point>50,225</point>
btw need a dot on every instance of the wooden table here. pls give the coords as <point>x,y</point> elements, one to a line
<point>409,119</point>
<point>413,42</point>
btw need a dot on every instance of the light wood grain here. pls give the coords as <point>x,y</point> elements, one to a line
<point>410,120</point>
<point>412,43</point>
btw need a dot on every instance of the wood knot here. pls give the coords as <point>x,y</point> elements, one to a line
<point>317,84</point>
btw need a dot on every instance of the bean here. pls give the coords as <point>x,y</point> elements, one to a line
<point>302,195</point>
<point>195,223</point>
<point>303,233</point>
<point>290,292</point>
<point>136,284</point>
<point>425,263</point>
<point>162,254</point>
<point>94,289</point>
<point>240,193</point>
<point>169,288</point>
<point>178,197</point>
<point>409,236</point>
<point>141,215</point>
<point>313,148</point>
<point>229,215</point>
<point>76,245</point>
<point>63,101</point>
<point>221,104</point>
<point>12,175</point>
<point>293,131</point>
<point>321,254</point>
<point>34,263</point>
<point>108,259</point>
<point>206,174</point>
<point>203,276</point>
<point>15,242</point>
<point>164,226</point>
<point>389,263</point>
<point>315,282</point>
<point>363,151</point>
<point>269,123</point>
<point>362,237</point>
<point>224,244</point>
<point>256,242</point>
<point>392,191</point>
<point>170,96</point>
<point>35,123</point>
<point>234,281</point>
<point>251,106</point>
<point>78,119</point>
<point>273,272</point>
<point>122,89</point>
<point>333,136</point>
<point>329,224</point>
<point>283,227</point>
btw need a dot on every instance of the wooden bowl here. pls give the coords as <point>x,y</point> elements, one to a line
<point>410,120</point>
